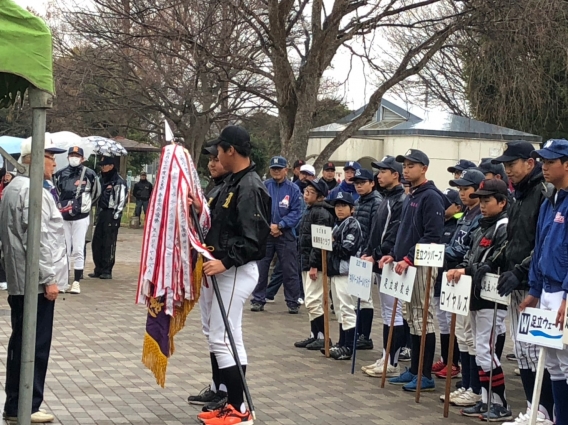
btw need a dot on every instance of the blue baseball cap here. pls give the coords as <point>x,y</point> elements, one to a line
<point>462,164</point>
<point>278,162</point>
<point>388,163</point>
<point>453,196</point>
<point>553,149</point>
<point>342,197</point>
<point>363,174</point>
<point>414,155</point>
<point>472,177</point>
<point>352,165</point>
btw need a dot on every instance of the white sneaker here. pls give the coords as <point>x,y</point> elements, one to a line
<point>75,288</point>
<point>3,286</point>
<point>301,301</point>
<point>378,363</point>
<point>377,372</point>
<point>453,394</point>
<point>42,417</point>
<point>525,418</point>
<point>466,399</point>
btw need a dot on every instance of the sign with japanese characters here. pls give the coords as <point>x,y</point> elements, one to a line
<point>455,297</point>
<point>429,255</point>
<point>321,237</point>
<point>489,290</point>
<point>538,327</point>
<point>398,286</point>
<point>565,339</point>
<point>360,278</point>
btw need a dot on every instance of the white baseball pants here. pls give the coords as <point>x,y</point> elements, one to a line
<point>527,354</point>
<point>313,292</point>
<point>482,328</point>
<point>236,286</point>
<point>75,233</point>
<point>556,360</point>
<point>416,305</point>
<point>387,304</point>
<point>343,302</point>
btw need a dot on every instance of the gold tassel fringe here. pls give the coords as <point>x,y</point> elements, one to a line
<point>154,359</point>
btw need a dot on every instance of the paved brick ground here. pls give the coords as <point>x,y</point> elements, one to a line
<point>96,377</point>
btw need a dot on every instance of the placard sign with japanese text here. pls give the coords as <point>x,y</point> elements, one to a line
<point>398,286</point>
<point>455,297</point>
<point>537,326</point>
<point>489,290</point>
<point>429,255</point>
<point>321,237</point>
<point>360,278</point>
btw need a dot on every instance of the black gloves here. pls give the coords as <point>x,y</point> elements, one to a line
<point>481,271</point>
<point>508,282</point>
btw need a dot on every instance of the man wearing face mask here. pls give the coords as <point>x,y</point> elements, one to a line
<point>78,189</point>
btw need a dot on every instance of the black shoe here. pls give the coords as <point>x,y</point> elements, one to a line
<point>497,413</point>
<point>511,357</point>
<point>105,276</point>
<point>94,275</point>
<point>335,347</point>
<point>256,307</point>
<point>364,344</point>
<point>204,397</point>
<point>476,411</point>
<point>404,355</point>
<point>304,343</point>
<point>459,384</point>
<point>318,344</point>
<point>218,402</point>
<point>293,310</point>
<point>341,353</point>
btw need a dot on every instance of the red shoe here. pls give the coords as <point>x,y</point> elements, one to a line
<point>443,373</point>
<point>230,416</point>
<point>205,416</point>
<point>438,366</point>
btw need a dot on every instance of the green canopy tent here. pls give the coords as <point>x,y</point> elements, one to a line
<point>26,64</point>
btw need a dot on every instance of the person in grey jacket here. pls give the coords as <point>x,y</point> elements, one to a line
<point>14,211</point>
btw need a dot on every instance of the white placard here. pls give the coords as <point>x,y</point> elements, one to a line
<point>398,286</point>
<point>538,327</point>
<point>429,255</point>
<point>321,237</point>
<point>455,297</point>
<point>360,278</point>
<point>565,339</point>
<point>489,290</point>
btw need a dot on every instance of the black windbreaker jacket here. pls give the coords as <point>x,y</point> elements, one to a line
<point>347,238</point>
<point>320,213</point>
<point>240,219</point>
<point>366,207</point>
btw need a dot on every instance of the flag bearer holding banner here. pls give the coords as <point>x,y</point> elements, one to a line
<point>548,277</point>
<point>422,222</point>
<point>484,256</point>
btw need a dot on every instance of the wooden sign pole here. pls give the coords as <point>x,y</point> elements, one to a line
<point>325,301</point>
<point>424,329</point>
<point>449,366</point>
<point>389,343</point>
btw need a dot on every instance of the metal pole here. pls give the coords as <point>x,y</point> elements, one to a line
<point>355,337</point>
<point>39,101</point>
<point>225,320</point>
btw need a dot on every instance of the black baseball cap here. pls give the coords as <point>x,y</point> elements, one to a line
<point>106,160</point>
<point>234,135</point>
<point>319,185</point>
<point>388,163</point>
<point>414,155</point>
<point>76,150</point>
<point>210,150</point>
<point>491,187</point>
<point>453,196</point>
<point>299,163</point>
<point>462,164</point>
<point>342,197</point>
<point>471,177</point>
<point>487,166</point>
<point>329,166</point>
<point>363,174</point>
<point>518,149</point>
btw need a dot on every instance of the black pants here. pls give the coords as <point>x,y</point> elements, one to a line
<point>104,242</point>
<point>141,205</point>
<point>44,331</point>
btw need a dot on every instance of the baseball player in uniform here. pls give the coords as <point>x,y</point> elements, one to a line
<point>422,221</point>
<point>525,173</point>
<point>548,272</point>
<point>240,225</point>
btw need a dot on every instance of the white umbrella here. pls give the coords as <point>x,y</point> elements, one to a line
<point>106,147</point>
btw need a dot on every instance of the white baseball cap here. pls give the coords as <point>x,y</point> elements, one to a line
<point>26,148</point>
<point>308,169</point>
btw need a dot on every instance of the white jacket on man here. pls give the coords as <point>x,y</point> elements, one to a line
<point>14,209</point>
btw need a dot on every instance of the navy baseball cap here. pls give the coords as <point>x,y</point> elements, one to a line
<point>487,166</point>
<point>414,155</point>
<point>210,150</point>
<point>329,166</point>
<point>278,162</point>
<point>342,197</point>
<point>462,164</point>
<point>553,149</point>
<point>106,160</point>
<point>233,135</point>
<point>363,174</point>
<point>352,165</point>
<point>518,149</point>
<point>388,163</point>
<point>471,177</point>
<point>319,185</point>
<point>76,150</point>
<point>491,187</point>
<point>453,196</point>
